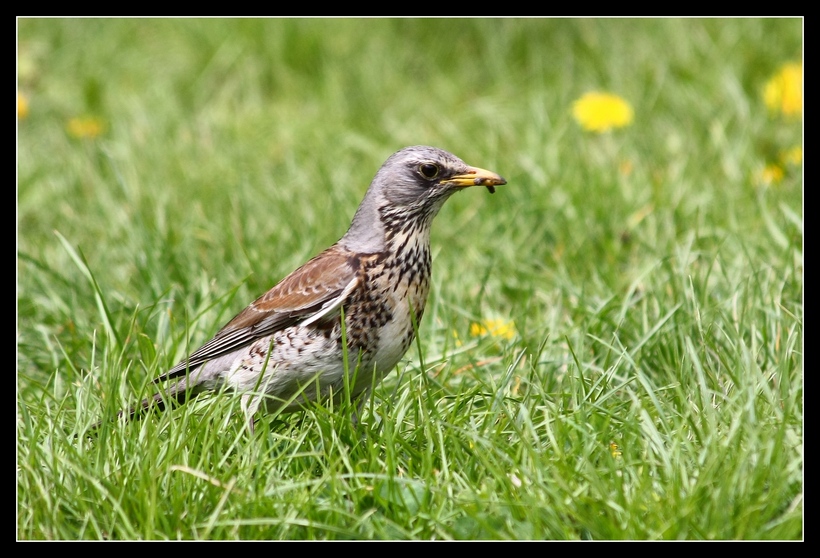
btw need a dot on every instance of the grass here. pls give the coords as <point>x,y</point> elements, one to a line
<point>647,378</point>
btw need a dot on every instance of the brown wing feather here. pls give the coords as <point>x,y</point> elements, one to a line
<point>307,291</point>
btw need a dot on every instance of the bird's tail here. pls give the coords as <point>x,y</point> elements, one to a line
<point>178,392</point>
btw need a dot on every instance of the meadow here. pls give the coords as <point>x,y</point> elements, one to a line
<point>613,344</point>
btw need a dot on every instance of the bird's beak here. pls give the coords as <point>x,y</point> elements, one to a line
<point>475,176</point>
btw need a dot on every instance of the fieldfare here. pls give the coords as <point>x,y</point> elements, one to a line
<point>286,348</point>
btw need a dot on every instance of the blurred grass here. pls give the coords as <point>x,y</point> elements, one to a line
<point>652,388</point>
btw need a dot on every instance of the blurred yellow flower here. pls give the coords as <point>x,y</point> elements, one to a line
<point>600,112</point>
<point>22,106</point>
<point>770,174</point>
<point>495,328</point>
<point>625,167</point>
<point>85,127</point>
<point>784,91</point>
<point>792,156</point>
<point>615,450</point>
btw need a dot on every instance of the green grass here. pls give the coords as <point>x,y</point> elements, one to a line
<point>653,387</point>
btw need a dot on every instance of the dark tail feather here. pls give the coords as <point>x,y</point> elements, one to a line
<point>158,401</point>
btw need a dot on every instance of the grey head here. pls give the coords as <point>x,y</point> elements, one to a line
<point>411,186</point>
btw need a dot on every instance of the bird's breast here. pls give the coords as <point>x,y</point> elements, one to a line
<point>398,284</point>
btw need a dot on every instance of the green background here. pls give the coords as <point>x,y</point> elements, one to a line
<point>653,385</point>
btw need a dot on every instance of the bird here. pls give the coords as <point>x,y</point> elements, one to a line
<point>367,291</point>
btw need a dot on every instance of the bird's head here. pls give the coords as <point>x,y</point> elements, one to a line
<point>409,189</point>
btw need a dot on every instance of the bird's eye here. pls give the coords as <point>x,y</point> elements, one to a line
<point>429,170</point>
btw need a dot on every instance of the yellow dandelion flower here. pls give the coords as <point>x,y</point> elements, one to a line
<point>792,156</point>
<point>86,127</point>
<point>494,328</point>
<point>22,106</point>
<point>600,112</point>
<point>769,175</point>
<point>615,450</point>
<point>784,92</point>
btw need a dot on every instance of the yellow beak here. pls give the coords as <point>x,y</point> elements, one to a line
<point>476,177</point>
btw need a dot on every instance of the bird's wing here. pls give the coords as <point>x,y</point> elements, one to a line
<point>313,291</point>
